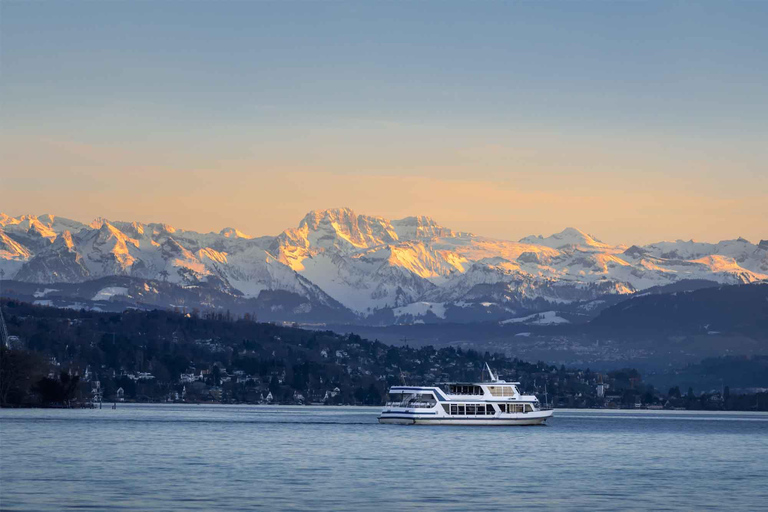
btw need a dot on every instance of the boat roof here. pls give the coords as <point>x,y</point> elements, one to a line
<point>478,383</point>
<point>501,382</point>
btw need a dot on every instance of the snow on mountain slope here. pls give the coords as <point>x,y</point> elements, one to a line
<point>545,318</point>
<point>365,262</point>
<point>412,228</point>
<point>153,251</point>
<point>109,292</point>
<point>337,258</point>
<point>12,250</point>
<point>474,248</point>
<point>420,309</point>
<point>747,255</point>
<point>568,238</point>
<point>60,262</point>
<point>365,281</point>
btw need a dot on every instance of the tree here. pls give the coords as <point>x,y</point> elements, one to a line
<point>58,391</point>
<point>18,369</point>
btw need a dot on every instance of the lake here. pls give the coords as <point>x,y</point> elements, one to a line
<point>205,457</point>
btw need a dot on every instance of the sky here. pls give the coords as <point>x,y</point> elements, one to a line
<point>636,121</point>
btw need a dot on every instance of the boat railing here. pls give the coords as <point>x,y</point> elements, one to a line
<point>546,407</point>
<point>411,405</point>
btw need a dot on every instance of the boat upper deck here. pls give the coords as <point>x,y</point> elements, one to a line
<point>481,391</point>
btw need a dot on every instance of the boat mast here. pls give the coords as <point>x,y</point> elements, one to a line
<point>490,373</point>
<point>4,338</point>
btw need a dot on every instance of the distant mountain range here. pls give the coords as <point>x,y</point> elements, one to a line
<point>354,268</point>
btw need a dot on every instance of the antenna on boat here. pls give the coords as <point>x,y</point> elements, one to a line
<point>4,338</point>
<point>402,377</point>
<point>490,373</point>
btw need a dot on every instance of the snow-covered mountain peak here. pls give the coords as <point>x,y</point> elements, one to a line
<point>109,235</point>
<point>162,229</point>
<point>368,263</point>
<point>342,229</point>
<point>233,233</point>
<point>567,238</point>
<point>43,223</point>
<point>420,226</point>
<point>38,228</point>
<point>334,215</point>
<point>7,220</point>
<point>97,223</point>
<point>635,252</point>
<point>32,226</point>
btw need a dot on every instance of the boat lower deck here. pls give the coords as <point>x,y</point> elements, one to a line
<point>426,418</point>
<point>501,422</point>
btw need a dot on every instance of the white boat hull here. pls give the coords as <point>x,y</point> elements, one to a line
<point>398,418</point>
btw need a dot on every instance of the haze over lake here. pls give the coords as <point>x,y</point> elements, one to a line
<point>198,457</point>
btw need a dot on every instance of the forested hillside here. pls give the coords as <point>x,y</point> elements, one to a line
<point>60,356</point>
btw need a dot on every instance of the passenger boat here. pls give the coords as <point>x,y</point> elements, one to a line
<point>496,402</point>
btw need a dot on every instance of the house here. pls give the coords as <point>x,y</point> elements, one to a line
<point>601,390</point>
<point>186,378</point>
<point>120,395</point>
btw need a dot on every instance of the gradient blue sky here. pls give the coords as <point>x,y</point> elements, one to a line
<point>636,121</point>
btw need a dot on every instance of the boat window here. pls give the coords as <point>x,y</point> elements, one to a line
<point>528,408</point>
<point>502,390</point>
<point>456,389</point>
<point>513,408</point>
<point>471,409</point>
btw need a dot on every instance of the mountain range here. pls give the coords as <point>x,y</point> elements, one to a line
<point>363,268</point>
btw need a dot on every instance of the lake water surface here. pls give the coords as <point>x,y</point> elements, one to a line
<point>202,457</point>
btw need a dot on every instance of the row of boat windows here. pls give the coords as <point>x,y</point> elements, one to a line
<point>411,397</point>
<point>469,409</point>
<point>484,409</point>
<point>515,407</point>
<point>457,389</point>
<point>502,390</point>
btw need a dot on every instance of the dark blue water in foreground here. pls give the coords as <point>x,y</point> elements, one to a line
<point>188,457</point>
